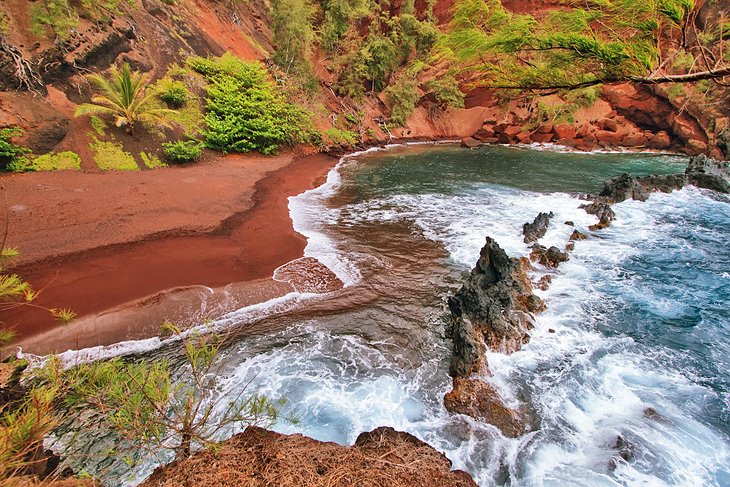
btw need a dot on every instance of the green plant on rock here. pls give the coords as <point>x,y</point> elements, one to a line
<point>446,91</point>
<point>146,406</point>
<point>402,97</point>
<point>174,93</point>
<point>122,95</point>
<point>12,155</point>
<point>182,151</point>
<point>246,111</point>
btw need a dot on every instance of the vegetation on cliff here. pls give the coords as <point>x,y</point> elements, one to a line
<point>581,44</point>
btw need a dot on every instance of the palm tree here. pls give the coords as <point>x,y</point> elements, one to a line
<point>123,96</point>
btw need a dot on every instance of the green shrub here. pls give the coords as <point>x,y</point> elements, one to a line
<point>335,136</point>
<point>174,93</point>
<point>53,161</point>
<point>246,111</point>
<point>11,155</point>
<point>402,97</point>
<point>446,91</point>
<point>182,151</point>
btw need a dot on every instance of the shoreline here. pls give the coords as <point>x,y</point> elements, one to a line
<point>208,275</point>
<point>126,290</point>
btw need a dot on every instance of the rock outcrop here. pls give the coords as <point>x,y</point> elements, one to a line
<point>549,257</point>
<point>707,173</point>
<point>701,171</point>
<point>480,400</point>
<point>494,309</point>
<point>537,229</point>
<point>258,457</point>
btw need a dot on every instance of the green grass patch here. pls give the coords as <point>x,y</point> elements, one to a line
<point>98,125</point>
<point>151,160</point>
<point>112,157</point>
<point>55,161</point>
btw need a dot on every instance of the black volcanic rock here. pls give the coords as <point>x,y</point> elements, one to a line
<point>492,309</point>
<point>707,173</point>
<point>537,229</point>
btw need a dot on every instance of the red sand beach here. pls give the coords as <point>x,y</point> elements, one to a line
<point>127,251</point>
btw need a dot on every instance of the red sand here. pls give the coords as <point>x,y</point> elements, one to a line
<point>88,241</point>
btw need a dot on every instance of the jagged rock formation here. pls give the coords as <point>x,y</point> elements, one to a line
<point>537,229</point>
<point>258,457</point>
<point>493,309</point>
<point>707,173</point>
<point>701,171</point>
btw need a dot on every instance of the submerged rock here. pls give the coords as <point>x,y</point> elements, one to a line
<point>537,229</point>
<point>481,401</point>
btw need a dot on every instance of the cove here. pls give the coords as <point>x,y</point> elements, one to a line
<point>625,375</point>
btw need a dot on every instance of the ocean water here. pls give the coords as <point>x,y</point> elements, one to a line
<point>626,375</point>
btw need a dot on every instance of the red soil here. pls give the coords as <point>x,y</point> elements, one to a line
<point>94,241</point>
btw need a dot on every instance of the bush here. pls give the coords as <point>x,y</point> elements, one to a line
<point>402,98</point>
<point>182,151</point>
<point>11,154</point>
<point>335,136</point>
<point>246,111</point>
<point>174,93</point>
<point>53,161</point>
<point>446,91</point>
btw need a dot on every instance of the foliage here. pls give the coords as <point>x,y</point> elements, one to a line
<point>291,24</point>
<point>53,161</point>
<point>246,111</point>
<point>182,151</point>
<point>151,160</point>
<point>98,125</point>
<point>111,156</point>
<point>338,16</point>
<point>22,429</point>
<point>122,96</point>
<point>11,154</point>
<point>145,405</point>
<point>174,93</point>
<point>60,17</point>
<point>579,45</point>
<point>369,61</point>
<point>334,136</point>
<point>446,91</point>
<point>402,97</point>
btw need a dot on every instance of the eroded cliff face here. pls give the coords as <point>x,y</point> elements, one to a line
<point>42,79</point>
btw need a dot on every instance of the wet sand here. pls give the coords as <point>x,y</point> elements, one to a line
<point>206,240</point>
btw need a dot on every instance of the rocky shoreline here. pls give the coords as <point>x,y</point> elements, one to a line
<point>495,308</point>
